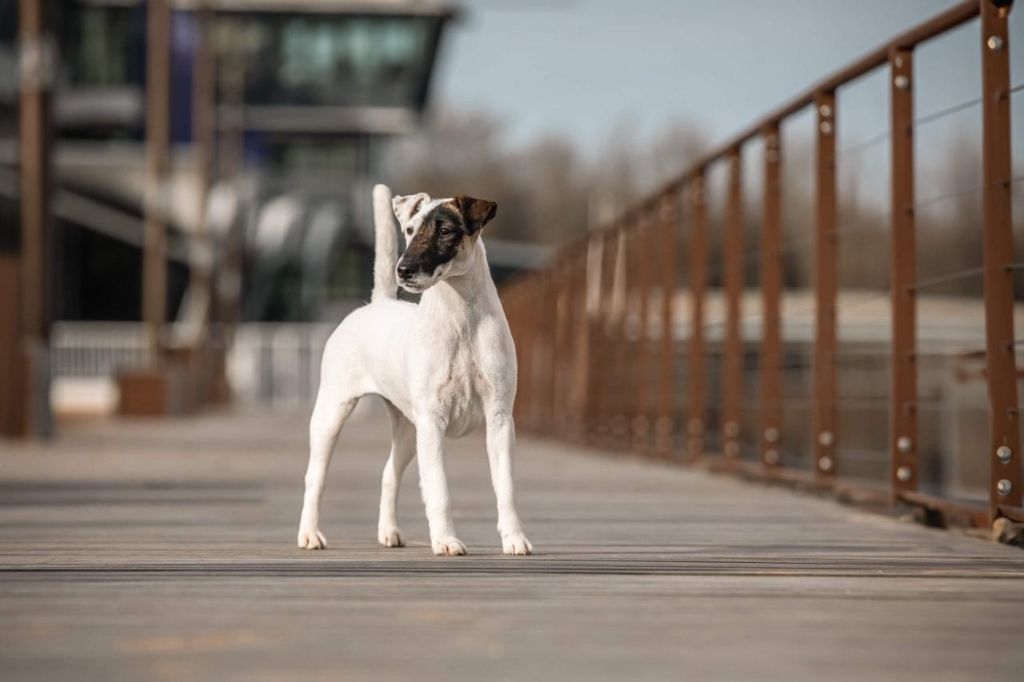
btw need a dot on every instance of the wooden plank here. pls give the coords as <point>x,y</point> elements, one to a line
<point>165,548</point>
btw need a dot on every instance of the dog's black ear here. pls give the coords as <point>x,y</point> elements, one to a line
<point>475,212</point>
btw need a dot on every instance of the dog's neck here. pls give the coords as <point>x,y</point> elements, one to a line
<point>474,289</point>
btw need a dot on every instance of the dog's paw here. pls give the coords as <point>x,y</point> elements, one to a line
<point>390,537</point>
<point>312,539</point>
<point>515,543</point>
<point>449,546</point>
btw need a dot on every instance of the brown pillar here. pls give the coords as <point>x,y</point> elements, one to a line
<point>668,215</point>
<point>37,64</point>
<point>1004,444</point>
<point>732,348</point>
<point>903,465</point>
<point>154,264</point>
<point>697,352</point>
<point>826,261</point>
<point>771,293</point>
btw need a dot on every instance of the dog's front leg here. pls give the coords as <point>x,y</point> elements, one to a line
<point>501,436</point>
<point>434,487</point>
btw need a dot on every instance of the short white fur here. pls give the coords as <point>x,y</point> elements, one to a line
<point>446,367</point>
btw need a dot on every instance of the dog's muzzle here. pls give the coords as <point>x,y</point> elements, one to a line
<point>411,276</point>
<point>406,272</point>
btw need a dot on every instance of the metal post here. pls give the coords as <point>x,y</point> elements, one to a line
<point>567,350</point>
<point>37,65</point>
<point>572,351</point>
<point>732,351</point>
<point>154,264</point>
<point>520,335</point>
<point>213,355</point>
<point>697,356</point>
<point>1004,447</point>
<point>609,335</point>
<point>509,295</point>
<point>642,375</point>
<point>583,341</point>
<point>539,332</point>
<point>903,465</point>
<point>556,333</point>
<point>618,343</point>
<point>525,344</point>
<point>771,291</point>
<point>592,320</point>
<point>203,112</point>
<point>559,332</point>
<point>669,219</point>
<point>825,289</point>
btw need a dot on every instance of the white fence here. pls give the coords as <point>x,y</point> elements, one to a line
<point>269,363</point>
<point>277,363</point>
<point>97,349</point>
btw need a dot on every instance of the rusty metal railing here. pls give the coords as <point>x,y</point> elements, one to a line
<point>613,343</point>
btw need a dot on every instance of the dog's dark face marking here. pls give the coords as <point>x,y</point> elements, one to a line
<point>439,234</point>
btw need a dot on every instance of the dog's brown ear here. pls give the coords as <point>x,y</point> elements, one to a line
<point>475,212</point>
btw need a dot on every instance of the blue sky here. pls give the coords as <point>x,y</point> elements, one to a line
<point>582,68</point>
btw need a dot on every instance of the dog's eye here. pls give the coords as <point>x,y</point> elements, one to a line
<point>445,231</point>
<point>408,231</point>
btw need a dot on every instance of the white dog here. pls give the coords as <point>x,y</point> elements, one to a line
<point>445,366</point>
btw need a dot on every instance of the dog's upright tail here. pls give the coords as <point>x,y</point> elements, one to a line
<point>386,248</point>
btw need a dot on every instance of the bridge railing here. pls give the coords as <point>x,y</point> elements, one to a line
<point>616,350</point>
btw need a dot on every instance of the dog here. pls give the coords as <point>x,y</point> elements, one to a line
<point>445,366</point>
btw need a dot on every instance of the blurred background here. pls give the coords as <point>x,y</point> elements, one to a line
<point>184,184</point>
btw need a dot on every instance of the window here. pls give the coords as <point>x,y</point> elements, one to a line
<point>339,61</point>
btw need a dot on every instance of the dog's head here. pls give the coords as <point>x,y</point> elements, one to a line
<point>440,237</point>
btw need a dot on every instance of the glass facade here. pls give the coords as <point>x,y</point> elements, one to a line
<point>339,60</point>
<point>102,46</point>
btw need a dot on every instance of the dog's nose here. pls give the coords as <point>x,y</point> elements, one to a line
<point>405,271</point>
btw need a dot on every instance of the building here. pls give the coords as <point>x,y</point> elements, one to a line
<point>305,96</point>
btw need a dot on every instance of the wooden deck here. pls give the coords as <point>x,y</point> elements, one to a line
<point>166,551</point>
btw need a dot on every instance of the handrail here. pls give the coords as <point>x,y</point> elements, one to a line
<point>586,365</point>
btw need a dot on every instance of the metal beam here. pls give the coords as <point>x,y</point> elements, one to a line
<point>771,292</point>
<point>668,216</point>
<point>154,260</point>
<point>903,464</point>
<point>37,67</point>
<point>1004,446</point>
<point>732,348</point>
<point>697,353</point>
<point>825,288</point>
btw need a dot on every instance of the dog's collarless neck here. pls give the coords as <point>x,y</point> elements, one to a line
<point>471,288</point>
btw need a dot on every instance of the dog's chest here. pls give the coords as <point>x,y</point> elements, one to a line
<point>461,395</point>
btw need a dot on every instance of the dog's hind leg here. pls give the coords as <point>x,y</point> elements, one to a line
<point>329,414</point>
<point>403,447</point>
